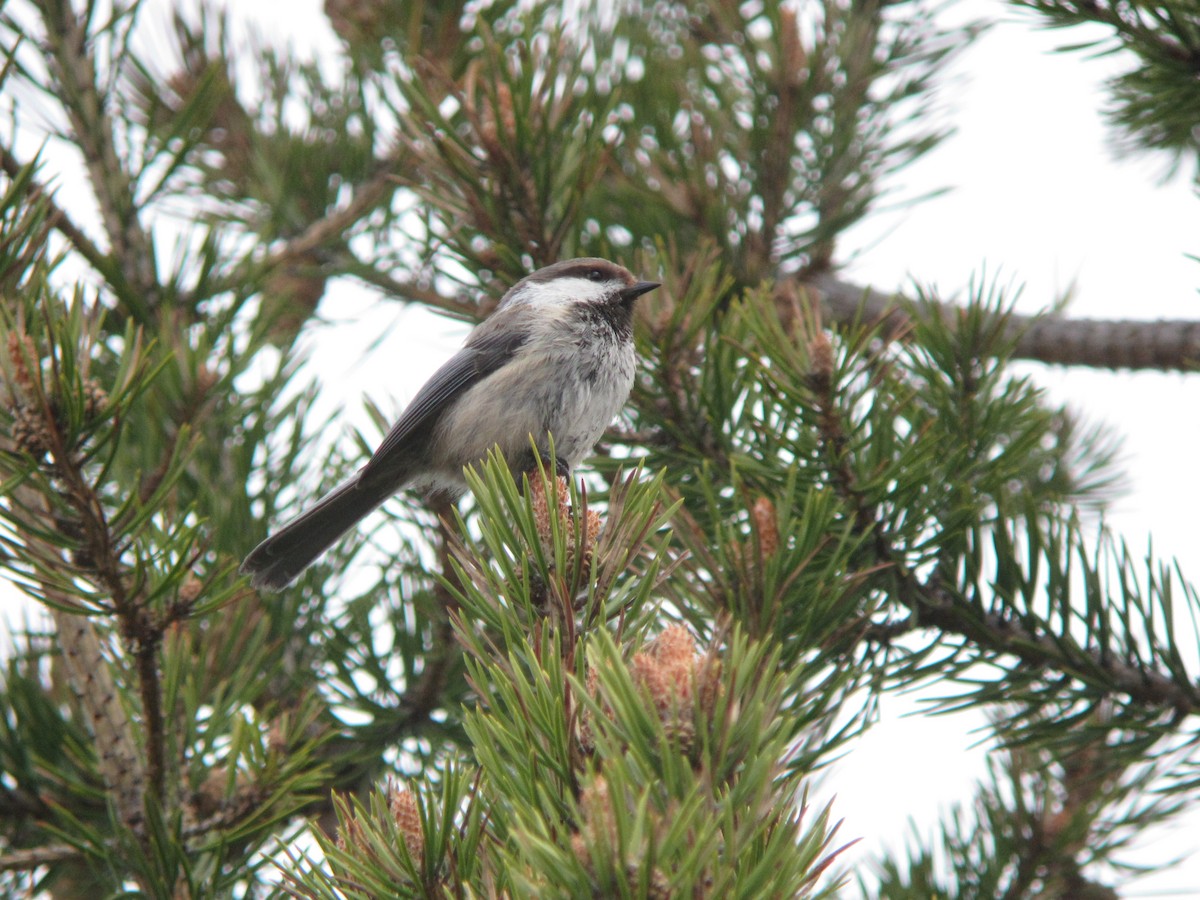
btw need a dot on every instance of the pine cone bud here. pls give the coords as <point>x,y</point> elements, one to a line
<point>190,590</point>
<point>541,511</point>
<point>29,432</point>
<point>590,527</point>
<point>766,527</point>
<point>21,351</point>
<point>95,399</point>
<point>820,354</point>
<point>403,805</point>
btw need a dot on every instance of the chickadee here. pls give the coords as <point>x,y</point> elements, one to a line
<point>556,357</point>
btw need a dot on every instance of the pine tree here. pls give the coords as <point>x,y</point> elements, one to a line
<point>619,685</point>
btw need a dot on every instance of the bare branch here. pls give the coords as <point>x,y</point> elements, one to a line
<point>33,857</point>
<point>1163,345</point>
<point>94,687</point>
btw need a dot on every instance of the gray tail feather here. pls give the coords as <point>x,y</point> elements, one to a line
<point>277,561</point>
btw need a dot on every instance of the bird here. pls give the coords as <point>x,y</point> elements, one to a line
<point>555,358</point>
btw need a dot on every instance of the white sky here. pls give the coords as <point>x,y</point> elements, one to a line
<point>1038,198</point>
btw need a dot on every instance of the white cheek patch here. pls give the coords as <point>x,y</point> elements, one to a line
<point>561,292</point>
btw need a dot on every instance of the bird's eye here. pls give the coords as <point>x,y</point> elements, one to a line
<point>595,275</point>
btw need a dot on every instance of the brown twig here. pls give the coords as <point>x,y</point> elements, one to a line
<point>33,857</point>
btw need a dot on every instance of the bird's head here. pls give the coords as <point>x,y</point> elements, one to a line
<point>589,281</point>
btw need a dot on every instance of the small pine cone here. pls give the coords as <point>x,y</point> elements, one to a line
<point>766,527</point>
<point>680,727</point>
<point>595,806</point>
<point>649,673</point>
<point>21,351</point>
<point>579,848</point>
<point>820,355</point>
<point>190,590</point>
<point>708,681</point>
<point>674,676</point>
<point>541,514</point>
<point>659,887</point>
<point>541,511</point>
<point>403,805</point>
<point>95,399</point>
<point>667,670</point>
<point>210,794</point>
<point>277,739</point>
<point>591,525</point>
<point>675,650</point>
<point>29,432</point>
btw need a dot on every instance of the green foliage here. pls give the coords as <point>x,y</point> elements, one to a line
<point>785,121</point>
<point>620,686</point>
<point>416,840</point>
<point>1154,106</point>
<point>598,768</point>
<point>509,167</point>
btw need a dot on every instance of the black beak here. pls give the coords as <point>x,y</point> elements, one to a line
<point>631,293</point>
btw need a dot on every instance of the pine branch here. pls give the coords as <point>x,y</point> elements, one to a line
<point>35,857</point>
<point>141,632</point>
<point>1154,101</point>
<point>98,695</point>
<point>93,685</point>
<point>332,226</point>
<point>1163,345</point>
<point>936,605</point>
<point>69,49</point>
<point>1051,840</point>
<point>56,218</point>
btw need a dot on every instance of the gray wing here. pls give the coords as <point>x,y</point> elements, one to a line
<point>485,352</point>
